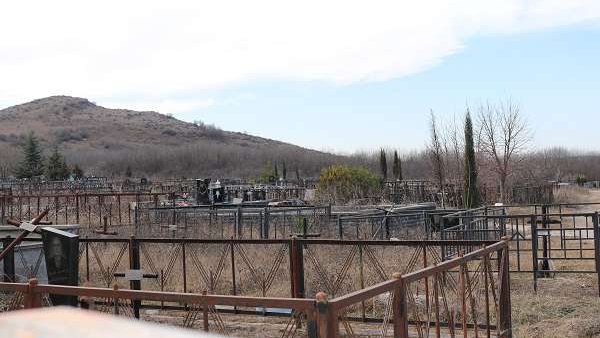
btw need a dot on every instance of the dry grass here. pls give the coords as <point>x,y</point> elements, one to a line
<point>565,306</point>
<point>573,194</point>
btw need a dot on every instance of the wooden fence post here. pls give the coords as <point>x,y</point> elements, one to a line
<point>400,308</point>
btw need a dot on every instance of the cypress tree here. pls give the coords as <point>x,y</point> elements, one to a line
<point>383,164</point>
<point>471,191</point>
<point>397,167</point>
<point>275,172</point>
<point>32,163</point>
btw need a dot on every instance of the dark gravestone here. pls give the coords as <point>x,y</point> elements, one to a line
<point>202,191</point>
<point>61,250</point>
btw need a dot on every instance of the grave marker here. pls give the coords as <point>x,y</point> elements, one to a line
<point>61,251</point>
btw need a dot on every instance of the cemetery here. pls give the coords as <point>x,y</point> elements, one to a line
<point>228,264</point>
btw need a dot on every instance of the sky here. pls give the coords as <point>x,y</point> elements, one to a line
<point>341,76</point>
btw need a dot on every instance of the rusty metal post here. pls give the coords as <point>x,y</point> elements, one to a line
<point>361,277</point>
<point>183,266</point>
<point>400,311</point>
<point>77,208</point>
<point>205,314</point>
<point>463,300</point>
<point>534,251</point>
<point>328,326</point>
<point>115,300</point>
<point>87,260</point>
<point>134,264</point>
<point>234,288</point>
<point>596,248</point>
<point>504,304</point>
<point>297,268</point>
<point>32,299</point>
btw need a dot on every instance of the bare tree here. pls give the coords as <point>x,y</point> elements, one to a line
<point>503,136</point>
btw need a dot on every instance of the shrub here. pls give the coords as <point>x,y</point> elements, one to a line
<point>66,135</point>
<point>169,132</point>
<point>341,183</point>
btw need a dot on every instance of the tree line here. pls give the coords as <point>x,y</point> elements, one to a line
<point>34,165</point>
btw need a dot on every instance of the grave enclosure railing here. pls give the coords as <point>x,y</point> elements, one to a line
<point>276,268</point>
<point>546,242</point>
<point>90,210</point>
<point>465,295</point>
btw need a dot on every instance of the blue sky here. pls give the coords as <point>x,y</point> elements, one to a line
<point>554,75</point>
<point>333,75</point>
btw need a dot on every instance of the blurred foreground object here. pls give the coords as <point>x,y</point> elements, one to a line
<point>67,322</point>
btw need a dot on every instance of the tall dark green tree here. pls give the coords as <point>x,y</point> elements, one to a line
<point>56,166</point>
<point>397,167</point>
<point>275,171</point>
<point>383,164</point>
<point>297,174</point>
<point>471,197</point>
<point>32,163</point>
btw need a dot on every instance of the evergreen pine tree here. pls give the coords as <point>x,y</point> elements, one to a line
<point>275,172</point>
<point>32,163</point>
<point>471,197</point>
<point>297,174</point>
<point>383,164</point>
<point>128,172</point>
<point>56,167</point>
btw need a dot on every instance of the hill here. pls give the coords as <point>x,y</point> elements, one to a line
<point>107,141</point>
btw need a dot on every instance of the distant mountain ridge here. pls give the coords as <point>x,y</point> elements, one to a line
<point>84,131</point>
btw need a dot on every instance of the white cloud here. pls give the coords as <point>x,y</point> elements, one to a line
<point>159,49</point>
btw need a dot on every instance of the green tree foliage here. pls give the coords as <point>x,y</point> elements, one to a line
<point>32,163</point>
<point>275,171</point>
<point>383,164</point>
<point>397,167</point>
<point>342,183</point>
<point>297,174</point>
<point>470,180</point>
<point>268,173</point>
<point>128,172</point>
<point>56,166</point>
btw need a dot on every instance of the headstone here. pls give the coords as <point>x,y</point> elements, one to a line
<point>217,193</point>
<point>202,191</point>
<point>61,251</point>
